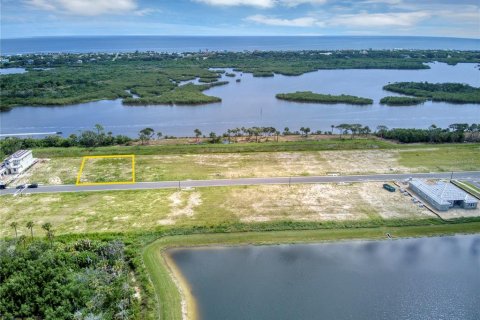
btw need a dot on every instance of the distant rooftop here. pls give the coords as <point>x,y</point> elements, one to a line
<point>443,192</point>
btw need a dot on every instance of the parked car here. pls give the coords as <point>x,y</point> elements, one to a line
<point>2,186</point>
<point>22,186</point>
<point>33,185</point>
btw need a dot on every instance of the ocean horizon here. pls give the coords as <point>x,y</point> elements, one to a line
<point>170,44</point>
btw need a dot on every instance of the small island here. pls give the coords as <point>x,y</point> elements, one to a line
<point>308,96</point>
<point>446,92</point>
<point>402,101</point>
<point>189,94</point>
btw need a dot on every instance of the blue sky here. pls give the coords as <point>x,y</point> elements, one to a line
<point>30,18</point>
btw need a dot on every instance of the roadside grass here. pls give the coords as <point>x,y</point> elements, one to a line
<point>105,170</point>
<point>468,187</point>
<point>161,268</point>
<point>446,158</point>
<point>459,157</point>
<point>149,210</point>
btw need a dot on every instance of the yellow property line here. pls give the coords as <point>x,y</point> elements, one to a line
<point>79,175</point>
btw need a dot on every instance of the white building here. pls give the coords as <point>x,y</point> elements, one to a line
<point>19,161</point>
<point>443,195</point>
<point>3,172</point>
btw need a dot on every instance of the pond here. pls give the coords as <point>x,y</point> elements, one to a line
<point>425,278</point>
<point>252,102</point>
<point>12,70</point>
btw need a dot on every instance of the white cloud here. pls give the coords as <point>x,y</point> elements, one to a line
<point>231,3</point>
<point>85,7</point>
<point>294,3</point>
<point>364,19</point>
<point>298,22</point>
<point>260,3</point>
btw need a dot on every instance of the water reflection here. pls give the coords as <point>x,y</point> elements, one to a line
<point>431,278</point>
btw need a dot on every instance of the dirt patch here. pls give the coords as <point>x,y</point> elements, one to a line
<point>391,204</point>
<point>182,204</point>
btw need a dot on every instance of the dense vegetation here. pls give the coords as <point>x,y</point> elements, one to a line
<point>239,140</point>
<point>49,279</point>
<point>455,133</point>
<point>76,78</point>
<point>308,96</point>
<point>448,92</point>
<point>187,94</point>
<point>402,101</point>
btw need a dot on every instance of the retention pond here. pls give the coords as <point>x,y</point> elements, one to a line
<point>426,278</point>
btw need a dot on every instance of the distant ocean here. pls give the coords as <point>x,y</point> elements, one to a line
<point>81,44</point>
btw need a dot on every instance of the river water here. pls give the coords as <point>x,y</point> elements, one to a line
<point>252,102</point>
<point>426,278</point>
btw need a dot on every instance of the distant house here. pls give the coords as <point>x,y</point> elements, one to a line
<point>443,195</point>
<point>19,161</point>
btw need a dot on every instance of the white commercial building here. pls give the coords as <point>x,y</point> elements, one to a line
<point>19,161</point>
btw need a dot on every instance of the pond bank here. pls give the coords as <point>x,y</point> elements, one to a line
<point>166,289</point>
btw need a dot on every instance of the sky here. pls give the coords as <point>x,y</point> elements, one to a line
<point>447,18</point>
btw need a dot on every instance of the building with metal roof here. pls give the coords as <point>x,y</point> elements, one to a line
<point>443,195</point>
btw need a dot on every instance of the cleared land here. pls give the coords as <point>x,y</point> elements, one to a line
<point>106,170</point>
<point>63,170</point>
<point>150,209</point>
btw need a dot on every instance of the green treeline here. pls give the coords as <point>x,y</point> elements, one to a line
<point>458,132</point>
<point>308,96</point>
<point>402,101</point>
<point>448,92</point>
<point>77,78</point>
<point>48,279</point>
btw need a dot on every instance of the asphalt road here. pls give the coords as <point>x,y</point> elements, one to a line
<point>468,175</point>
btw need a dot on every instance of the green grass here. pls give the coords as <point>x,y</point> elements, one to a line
<point>149,210</point>
<point>328,144</point>
<point>468,187</point>
<point>167,292</point>
<point>224,162</point>
<point>447,158</point>
<point>103,170</point>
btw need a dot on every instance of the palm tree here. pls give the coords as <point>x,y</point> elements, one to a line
<point>14,226</point>
<point>198,133</point>
<point>47,226</point>
<point>30,226</point>
<point>50,236</point>
<point>23,239</point>
<point>332,126</point>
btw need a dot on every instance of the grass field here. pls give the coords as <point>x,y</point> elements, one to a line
<point>58,170</point>
<point>106,170</point>
<point>175,303</point>
<point>144,210</point>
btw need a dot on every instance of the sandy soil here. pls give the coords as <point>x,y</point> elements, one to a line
<point>321,202</point>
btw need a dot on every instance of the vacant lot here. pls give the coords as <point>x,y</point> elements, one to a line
<point>260,164</point>
<point>101,170</point>
<point>143,210</point>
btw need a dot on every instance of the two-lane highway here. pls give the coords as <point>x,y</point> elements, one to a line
<point>467,175</point>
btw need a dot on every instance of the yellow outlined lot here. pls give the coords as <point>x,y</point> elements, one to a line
<point>85,158</point>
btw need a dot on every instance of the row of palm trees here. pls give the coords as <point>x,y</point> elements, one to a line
<point>46,226</point>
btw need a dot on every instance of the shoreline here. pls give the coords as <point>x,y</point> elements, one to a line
<point>187,304</point>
